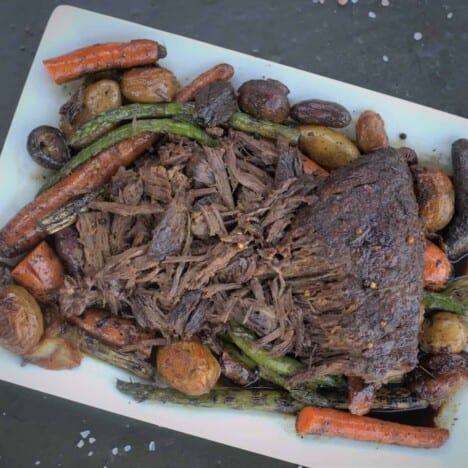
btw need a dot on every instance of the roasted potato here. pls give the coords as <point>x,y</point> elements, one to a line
<point>265,99</point>
<point>435,195</point>
<point>443,332</point>
<point>188,366</point>
<point>326,147</point>
<point>88,102</point>
<point>21,321</point>
<point>370,132</point>
<point>318,112</point>
<point>149,85</point>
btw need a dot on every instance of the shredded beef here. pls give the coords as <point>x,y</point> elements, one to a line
<point>327,268</point>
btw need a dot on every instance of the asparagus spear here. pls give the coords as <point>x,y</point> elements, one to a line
<point>91,130</point>
<point>388,398</point>
<point>234,398</point>
<point>284,366</point>
<point>453,299</point>
<point>67,215</point>
<point>108,354</point>
<point>304,395</point>
<point>126,131</point>
<point>265,128</point>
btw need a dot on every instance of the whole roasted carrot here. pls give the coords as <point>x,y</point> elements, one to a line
<point>109,328</point>
<point>40,272</point>
<point>220,72</point>
<point>335,423</point>
<point>311,166</point>
<point>24,231</point>
<point>437,267</point>
<point>99,57</point>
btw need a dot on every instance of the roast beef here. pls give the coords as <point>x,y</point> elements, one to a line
<point>328,269</point>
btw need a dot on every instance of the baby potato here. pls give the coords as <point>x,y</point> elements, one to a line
<point>370,132</point>
<point>149,85</point>
<point>21,320</point>
<point>318,112</point>
<point>188,366</point>
<point>435,195</point>
<point>443,332</point>
<point>265,99</point>
<point>88,103</point>
<point>326,147</point>
<point>98,97</point>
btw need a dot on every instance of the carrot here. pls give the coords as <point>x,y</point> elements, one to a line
<point>40,272</point>
<point>23,231</point>
<point>221,72</point>
<point>98,57</point>
<point>437,267</point>
<point>335,423</point>
<point>311,166</point>
<point>109,328</point>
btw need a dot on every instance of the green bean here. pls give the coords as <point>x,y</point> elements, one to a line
<point>234,398</point>
<point>92,129</point>
<point>184,129</point>
<point>265,128</point>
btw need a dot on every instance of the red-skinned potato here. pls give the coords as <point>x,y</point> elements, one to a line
<point>265,99</point>
<point>370,132</point>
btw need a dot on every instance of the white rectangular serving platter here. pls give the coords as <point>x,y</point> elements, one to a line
<point>429,131</point>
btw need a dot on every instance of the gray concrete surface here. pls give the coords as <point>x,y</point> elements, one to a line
<point>346,43</point>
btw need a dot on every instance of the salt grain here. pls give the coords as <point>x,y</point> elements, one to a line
<point>90,454</point>
<point>342,2</point>
<point>152,446</point>
<point>417,36</point>
<point>450,15</point>
<point>372,15</point>
<point>115,451</point>
<point>85,434</point>
<point>127,448</point>
<point>385,58</point>
<point>385,2</point>
<point>80,444</point>
<point>354,1</point>
<point>37,462</point>
<point>92,440</point>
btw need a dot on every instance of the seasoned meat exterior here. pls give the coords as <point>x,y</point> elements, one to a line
<point>438,376</point>
<point>358,257</point>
